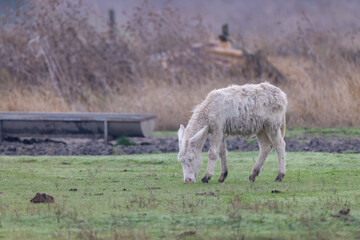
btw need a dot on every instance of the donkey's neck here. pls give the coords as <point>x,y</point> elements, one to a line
<point>196,123</point>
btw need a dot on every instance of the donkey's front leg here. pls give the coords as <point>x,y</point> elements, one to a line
<point>215,142</point>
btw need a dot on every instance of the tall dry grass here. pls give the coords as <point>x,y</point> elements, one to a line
<point>53,59</point>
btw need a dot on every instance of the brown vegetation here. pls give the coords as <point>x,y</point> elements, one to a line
<point>53,59</point>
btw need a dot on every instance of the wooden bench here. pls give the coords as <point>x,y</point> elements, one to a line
<point>76,124</point>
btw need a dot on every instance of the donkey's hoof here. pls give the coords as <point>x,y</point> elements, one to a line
<point>205,179</point>
<point>279,178</point>
<point>253,175</point>
<point>252,178</point>
<point>221,179</point>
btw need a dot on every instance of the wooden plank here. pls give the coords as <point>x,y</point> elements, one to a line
<point>227,52</point>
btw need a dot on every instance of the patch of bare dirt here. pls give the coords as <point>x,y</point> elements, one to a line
<point>16,146</point>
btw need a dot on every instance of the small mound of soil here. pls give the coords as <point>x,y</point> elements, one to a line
<point>42,198</point>
<point>206,194</point>
<point>185,234</point>
<point>342,213</point>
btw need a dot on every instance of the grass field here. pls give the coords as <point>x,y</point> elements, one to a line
<point>144,197</point>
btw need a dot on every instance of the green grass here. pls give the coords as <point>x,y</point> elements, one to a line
<point>299,132</point>
<point>124,141</point>
<point>323,132</point>
<point>165,133</point>
<point>144,197</point>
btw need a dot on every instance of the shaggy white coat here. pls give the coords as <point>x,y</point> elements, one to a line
<point>251,110</point>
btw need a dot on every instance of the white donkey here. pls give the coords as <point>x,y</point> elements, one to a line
<point>248,111</point>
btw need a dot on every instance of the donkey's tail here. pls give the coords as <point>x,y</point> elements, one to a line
<point>283,126</point>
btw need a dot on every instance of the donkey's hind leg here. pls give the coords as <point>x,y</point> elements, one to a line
<point>279,146</point>
<point>265,146</point>
<point>223,162</point>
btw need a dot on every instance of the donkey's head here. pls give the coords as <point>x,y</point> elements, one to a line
<point>190,153</point>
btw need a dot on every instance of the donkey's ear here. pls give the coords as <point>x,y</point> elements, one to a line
<point>196,139</point>
<point>181,132</point>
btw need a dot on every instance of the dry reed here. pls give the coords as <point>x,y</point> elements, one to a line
<point>53,59</point>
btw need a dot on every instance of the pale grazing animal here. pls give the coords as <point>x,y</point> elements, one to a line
<point>251,110</point>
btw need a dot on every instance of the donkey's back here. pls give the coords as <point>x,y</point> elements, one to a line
<point>244,110</point>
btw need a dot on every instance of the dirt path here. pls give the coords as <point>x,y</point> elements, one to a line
<point>16,146</point>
